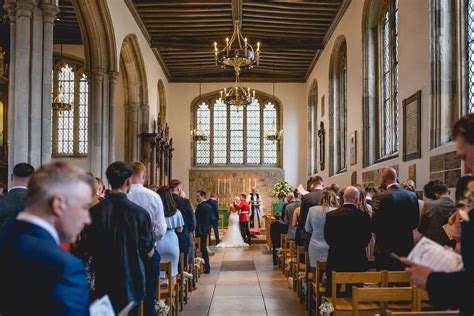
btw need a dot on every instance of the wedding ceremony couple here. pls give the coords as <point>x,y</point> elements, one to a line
<point>243,213</point>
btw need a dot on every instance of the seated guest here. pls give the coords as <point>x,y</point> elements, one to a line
<point>14,202</point>
<point>293,203</point>
<point>168,247</point>
<point>454,290</point>
<point>277,228</point>
<point>396,215</point>
<point>37,276</point>
<point>436,214</point>
<point>370,192</point>
<point>120,240</point>
<point>318,247</point>
<point>347,232</point>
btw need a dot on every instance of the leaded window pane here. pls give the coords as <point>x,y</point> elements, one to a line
<point>203,148</point>
<point>66,118</point>
<point>236,135</point>
<point>253,133</point>
<point>83,114</point>
<point>470,56</point>
<point>220,132</point>
<point>269,125</point>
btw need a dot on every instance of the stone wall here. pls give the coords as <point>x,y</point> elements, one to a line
<point>227,183</point>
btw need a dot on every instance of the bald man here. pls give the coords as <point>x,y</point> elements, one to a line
<point>347,232</point>
<point>396,215</point>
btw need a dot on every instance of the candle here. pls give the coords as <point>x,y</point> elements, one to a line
<point>218,186</point>
<point>230,186</point>
<point>255,182</point>
<point>250,185</point>
<point>227,45</point>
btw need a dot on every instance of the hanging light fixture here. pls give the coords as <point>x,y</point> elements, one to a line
<point>61,102</point>
<point>237,52</point>
<point>274,134</point>
<point>237,95</point>
<point>198,135</point>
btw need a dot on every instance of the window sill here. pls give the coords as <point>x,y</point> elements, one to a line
<point>69,156</point>
<point>386,158</point>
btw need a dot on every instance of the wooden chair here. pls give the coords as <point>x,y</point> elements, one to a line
<point>307,280</point>
<point>167,293</point>
<point>395,277</point>
<point>377,295</point>
<point>180,282</point>
<point>197,252</point>
<point>422,300</point>
<point>450,313</point>
<point>297,268</point>
<point>189,285</point>
<point>317,288</point>
<point>292,260</point>
<point>284,247</point>
<point>343,305</point>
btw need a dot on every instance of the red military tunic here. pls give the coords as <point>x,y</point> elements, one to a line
<point>244,208</point>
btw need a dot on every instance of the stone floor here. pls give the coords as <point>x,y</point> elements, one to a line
<point>243,282</point>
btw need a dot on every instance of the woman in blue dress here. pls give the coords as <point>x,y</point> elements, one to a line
<point>168,246</point>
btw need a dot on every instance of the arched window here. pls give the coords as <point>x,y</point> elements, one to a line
<point>380,80</point>
<point>69,132</point>
<point>312,128</point>
<point>227,135</point>
<point>338,107</point>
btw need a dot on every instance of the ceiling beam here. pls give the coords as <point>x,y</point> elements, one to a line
<point>206,43</point>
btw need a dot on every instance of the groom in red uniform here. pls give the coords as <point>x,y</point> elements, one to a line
<point>244,214</point>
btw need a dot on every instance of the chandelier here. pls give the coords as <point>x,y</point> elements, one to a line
<point>198,135</point>
<point>237,52</point>
<point>274,135</point>
<point>237,95</point>
<point>60,102</point>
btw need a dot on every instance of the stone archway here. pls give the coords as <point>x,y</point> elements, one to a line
<point>101,65</point>
<point>132,70</point>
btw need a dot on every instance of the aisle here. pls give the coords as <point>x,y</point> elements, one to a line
<point>243,282</point>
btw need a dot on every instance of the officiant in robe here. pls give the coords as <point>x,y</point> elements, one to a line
<point>256,210</point>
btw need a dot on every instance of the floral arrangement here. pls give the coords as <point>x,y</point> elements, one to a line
<point>281,189</point>
<point>187,276</point>
<point>162,308</point>
<point>199,260</point>
<point>326,308</point>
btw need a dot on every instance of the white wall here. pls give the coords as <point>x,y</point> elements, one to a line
<point>414,75</point>
<point>292,96</point>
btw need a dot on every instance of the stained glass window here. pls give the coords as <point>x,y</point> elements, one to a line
<point>238,133</point>
<point>203,148</point>
<point>470,55</point>
<point>69,129</point>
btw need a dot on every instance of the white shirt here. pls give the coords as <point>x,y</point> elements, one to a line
<point>390,185</point>
<point>18,187</point>
<point>151,202</point>
<point>38,221</point>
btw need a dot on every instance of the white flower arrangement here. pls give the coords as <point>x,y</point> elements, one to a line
<point>326,309</point>
<point>301,275</point>
<point>199,260</point>
<point>162,308</point>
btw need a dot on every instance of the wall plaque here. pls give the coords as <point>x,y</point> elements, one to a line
<point>412,127</point>
<point>354,178</point>
<point>353,147</point>
<point>437,163</point>
<point>451,177</point>
<point>412,172</point>
<point>451,161</point>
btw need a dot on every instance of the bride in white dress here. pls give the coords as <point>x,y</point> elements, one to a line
<point>233,237</point>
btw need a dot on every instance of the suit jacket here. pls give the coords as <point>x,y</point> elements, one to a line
<point>37,276</point>
<point>288,219</point>
<point>308,200</point>
<point>396,215</point>
<point>347,232</point>
<point>436,214</point>
<point>215,209</point>
<point>203,217</point>
<point>12,204</point>
<point>456,290</point>
<point>244,211</point>
<point>186,209</point>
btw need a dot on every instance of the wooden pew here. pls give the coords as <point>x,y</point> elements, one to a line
<point>318,287</point>
<point>439,313</point>
<point>363,299</point>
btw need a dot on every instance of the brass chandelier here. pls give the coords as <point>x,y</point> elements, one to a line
<point>237,52</point>
<point>237,95</point>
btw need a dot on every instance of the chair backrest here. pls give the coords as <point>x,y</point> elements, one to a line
<point>167,268</point>
<point>353,277</point>
<point>381,294</point>
<point>319,271</point>
<point>299,256</point>
<point>421,296</point>
<point>181,263</point>
<point>439,313</point>
<point>292,248</point>
<point>197,246</point>
<point>396,277</point>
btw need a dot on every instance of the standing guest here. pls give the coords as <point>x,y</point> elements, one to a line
<point>436,214</point>
<point>318,247</point>
<point>336,189</point>
<point>120,240</point>
<point>289,211</point>
<point>241,204</point>
<point>428,192</point>
<point>14,202</point>
<point>409,185</point>
<point>186,243</point>
<point>2,190</point>
<point>461,187</point>
<point>256,207</point>
<point>215,218</point>
<point>277,228</point>
<point>168,247</point>
<point>308,200</point>
<point>370,192</point>
<point>101,188</point>
<point>203,227</point>
<point>347,251</point>
<point>366,207</point>
<point>37,276</point>
<point>454,290</point>
<point>152,203</point>
<point>396,215</point>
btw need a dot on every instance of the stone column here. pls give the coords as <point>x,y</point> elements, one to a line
<point>113,76</point>
<point>96,80</point>
<point>133,135</point>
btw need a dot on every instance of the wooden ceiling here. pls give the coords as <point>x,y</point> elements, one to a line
<point>66,27</point>
<point>291,33</point>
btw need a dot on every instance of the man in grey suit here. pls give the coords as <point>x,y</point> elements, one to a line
<point>436,214</point>
<point>14,202</point>
<point>316,184</point>
<point>293,202</point>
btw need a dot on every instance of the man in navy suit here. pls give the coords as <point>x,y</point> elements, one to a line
<point>14,202</point>
<point>215,217</point>
<point>37,276</point>
<point>203,228</point>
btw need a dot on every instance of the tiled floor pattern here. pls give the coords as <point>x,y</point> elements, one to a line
<point>262,290</point>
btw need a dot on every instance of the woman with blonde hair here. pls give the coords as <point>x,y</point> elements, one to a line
<point>318,247</point>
